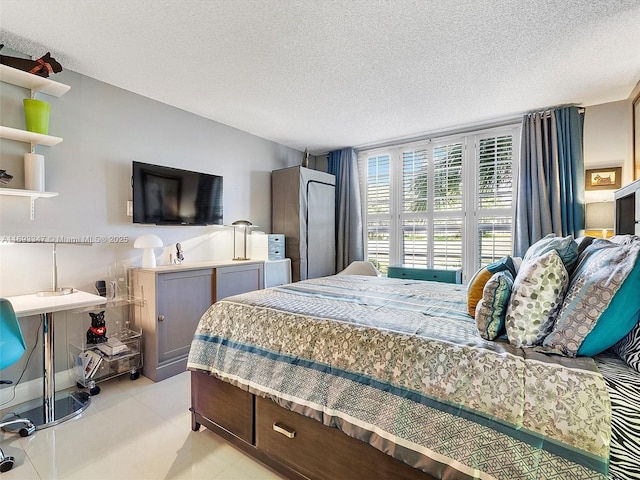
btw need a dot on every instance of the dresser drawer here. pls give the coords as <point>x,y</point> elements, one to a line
<point>268,246</point>
<point>300,443</point>
<point>432,274</point>
<point>223,404</point>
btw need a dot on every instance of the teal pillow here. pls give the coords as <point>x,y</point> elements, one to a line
<point>566,247</point>
<point>505,263</point>
<point>602,303</point>
<point>492,307</point>
<point>481,277</point>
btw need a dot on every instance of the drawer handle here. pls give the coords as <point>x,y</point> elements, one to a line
<point>284,430</point>
<point>161,318</point>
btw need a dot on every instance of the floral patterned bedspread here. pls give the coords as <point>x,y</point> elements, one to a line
<point>399,364</point>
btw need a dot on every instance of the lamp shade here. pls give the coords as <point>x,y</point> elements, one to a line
<point>148,243</point>
<point>599,215</point>
<point>242,223</point>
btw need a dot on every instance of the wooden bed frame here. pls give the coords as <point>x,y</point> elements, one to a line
<point>295,446</point>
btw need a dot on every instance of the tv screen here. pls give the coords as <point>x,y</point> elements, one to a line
<point>171,196</point>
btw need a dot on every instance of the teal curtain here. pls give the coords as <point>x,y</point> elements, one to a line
<point>550,177</point>
<point>349,235</point>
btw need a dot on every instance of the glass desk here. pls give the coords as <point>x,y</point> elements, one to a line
<point>53,410</point>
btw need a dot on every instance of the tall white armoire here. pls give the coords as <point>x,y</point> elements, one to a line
<point>303,208</point>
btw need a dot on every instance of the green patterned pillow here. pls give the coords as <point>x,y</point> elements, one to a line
<point>538,292</point>
<point>492,307</point>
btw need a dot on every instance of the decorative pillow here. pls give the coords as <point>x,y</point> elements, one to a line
<point>492,307</point>
<point>624,239</point>
<point>583,242</point>
<point>602,304</point>
<point>482,276</point>
<point>537,295</point>
<point>628,349</point>
<point>566,247</point>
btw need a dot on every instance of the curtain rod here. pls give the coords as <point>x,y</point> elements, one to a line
<point>547,111</point>
<point>469,127</point>
<point>445,132</point>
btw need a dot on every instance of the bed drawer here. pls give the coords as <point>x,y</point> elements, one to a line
<point>223,404</point>
<point>301,442</point>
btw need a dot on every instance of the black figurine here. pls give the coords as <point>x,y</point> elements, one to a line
<point>5,177</point>
<point>97,333</point>
<point>43,66</point>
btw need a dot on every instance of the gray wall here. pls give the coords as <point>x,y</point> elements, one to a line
<point>104,128</point>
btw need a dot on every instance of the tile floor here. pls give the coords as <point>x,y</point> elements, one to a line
<point>132,430</point>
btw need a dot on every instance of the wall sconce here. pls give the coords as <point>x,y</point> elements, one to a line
<point>148,243</point>
<point>599,216</point>
<point>245,225</point>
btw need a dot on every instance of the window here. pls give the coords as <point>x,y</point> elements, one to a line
<point>441,203</point>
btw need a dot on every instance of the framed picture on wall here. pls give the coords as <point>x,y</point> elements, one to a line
<point>636,137</point>
<point>608,178</point>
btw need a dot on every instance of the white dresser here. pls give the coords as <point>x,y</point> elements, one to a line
<point>277,272</point>
<point>627,220</point>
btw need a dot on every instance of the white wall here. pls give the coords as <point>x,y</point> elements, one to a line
<point>607,143</point>
<point>104,128</point>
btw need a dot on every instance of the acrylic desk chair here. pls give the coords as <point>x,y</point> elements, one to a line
<point>12,347</point>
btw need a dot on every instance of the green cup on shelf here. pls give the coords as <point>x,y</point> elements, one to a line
<point>36,115</point>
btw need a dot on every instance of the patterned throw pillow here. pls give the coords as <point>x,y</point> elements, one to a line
<point>538,292</point>
<point>491,310</point>
<point>482,276</point>
<point>628,349</point>
<point>566,247</point>
<point>624,239</point>
<point>602,304</point>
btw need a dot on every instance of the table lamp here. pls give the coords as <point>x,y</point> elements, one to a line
<point>148,243</point>
<point>57,290</point>
<point>245,225</point>
<point>599,216</point>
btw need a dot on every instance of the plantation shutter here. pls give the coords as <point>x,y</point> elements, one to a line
<point>378,191</point>
<point>415,203</point>
<point>447,205</point>
<point>495,198</point>
<point>444,203</point>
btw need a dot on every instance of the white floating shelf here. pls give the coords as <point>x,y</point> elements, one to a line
<point>32,194</point>
<point>18,192</point>
<point>33,82</point>
<point>28,137</point>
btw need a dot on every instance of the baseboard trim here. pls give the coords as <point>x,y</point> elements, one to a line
<point>33,389</point>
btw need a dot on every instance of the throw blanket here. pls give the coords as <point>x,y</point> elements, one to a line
<point>399,364</point>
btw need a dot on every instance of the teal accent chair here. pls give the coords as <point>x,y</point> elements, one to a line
<point>12,347</point>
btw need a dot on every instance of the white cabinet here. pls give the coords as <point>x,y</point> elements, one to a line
<point>174,299</point>
<point>277,272</point>
<point>627,218</point>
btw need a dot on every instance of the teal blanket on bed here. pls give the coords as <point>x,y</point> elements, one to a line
<point>400,365</point>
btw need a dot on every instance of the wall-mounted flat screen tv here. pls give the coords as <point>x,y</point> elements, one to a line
<point>171,196</point>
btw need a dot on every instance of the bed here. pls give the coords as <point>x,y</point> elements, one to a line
<point>355,376</point>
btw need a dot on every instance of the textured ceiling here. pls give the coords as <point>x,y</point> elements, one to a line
<point>327,74</point>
